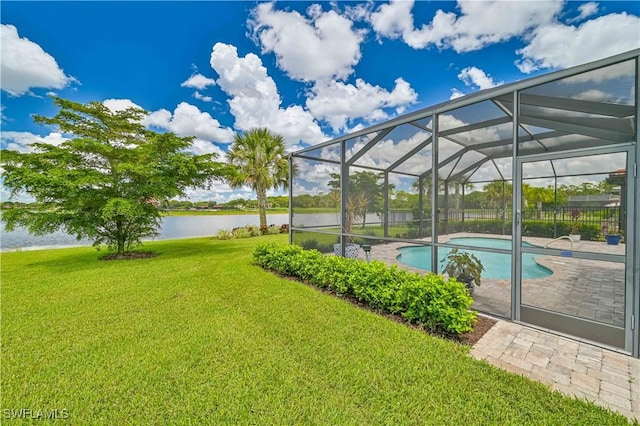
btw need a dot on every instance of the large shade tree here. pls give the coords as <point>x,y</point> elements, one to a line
<point>261,160</point>
<point>106,182</point>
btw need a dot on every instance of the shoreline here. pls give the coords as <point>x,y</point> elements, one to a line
<point>103,246</point>
<point>182,228</point>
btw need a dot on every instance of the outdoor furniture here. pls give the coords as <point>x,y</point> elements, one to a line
<point>352,250</point>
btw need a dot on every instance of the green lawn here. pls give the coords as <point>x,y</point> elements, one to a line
<point>199,335</point>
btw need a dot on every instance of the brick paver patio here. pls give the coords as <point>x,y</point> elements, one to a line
<point>584,288</point>
<point>608,378</point>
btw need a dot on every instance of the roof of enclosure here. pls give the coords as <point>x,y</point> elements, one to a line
<point>585,106</point>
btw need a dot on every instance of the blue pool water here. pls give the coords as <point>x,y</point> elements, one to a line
<point>496,265</point>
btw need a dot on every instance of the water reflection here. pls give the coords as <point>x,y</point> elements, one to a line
<point>172,227</point>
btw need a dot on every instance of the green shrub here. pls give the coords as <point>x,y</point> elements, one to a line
<point>276,256</point>
<point>439,304</point>
<point>253,231</point>
<point>223,234</point>
<point>531,228</point>
<point>537,228</point>
<point>273,229</point>
<point>311,244</point>
<point>241,233</point>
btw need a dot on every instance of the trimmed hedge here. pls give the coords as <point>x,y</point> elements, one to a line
<point>437,303</point>
<point>531,228</point>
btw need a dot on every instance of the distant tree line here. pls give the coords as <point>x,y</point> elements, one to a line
<point>281,201</point>
<point>491,195</point>
<point>184,205</point>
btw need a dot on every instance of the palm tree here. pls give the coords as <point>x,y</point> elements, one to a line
<point>356,207</point>
<point>457,186</point>
<point>262,164</point>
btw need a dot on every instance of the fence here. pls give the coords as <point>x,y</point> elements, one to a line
<point>607,219</point>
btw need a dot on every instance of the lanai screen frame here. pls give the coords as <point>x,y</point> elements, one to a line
<point>618,127</point>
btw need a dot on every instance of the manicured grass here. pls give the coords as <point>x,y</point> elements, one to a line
<point>199,335</point>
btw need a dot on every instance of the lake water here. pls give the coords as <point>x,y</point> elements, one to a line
<point>172,227</point>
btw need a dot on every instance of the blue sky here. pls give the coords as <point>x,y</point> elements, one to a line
<point>307,70</point>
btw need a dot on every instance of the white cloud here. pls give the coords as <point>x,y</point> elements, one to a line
<point>359,12</point>
<point>386,151</point>
<point>116,105</point>
<point>455,93</point>
<point>255,101</point>
<point>26,65</point>
<point>561,46</point>
<point>586,10</point>
<point>338,103</point>
<point>448,121</point>
<point>479,24</point>
<point>198,81</point>
<point>549,43</point>
<point>202,97</point>
<point>23,141</point>
<point>323,46</point>
<point>595,96</point>
<point>201,147</point>
<point>188,120</point>
<point>313,177</point>
<point>219,192</point>
<point>475,77</point>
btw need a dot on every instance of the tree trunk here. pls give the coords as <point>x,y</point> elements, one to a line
<point>262,206</point>
<point>120,236</point>
<point>347,225</point>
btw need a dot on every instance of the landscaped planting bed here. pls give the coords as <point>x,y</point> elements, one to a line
<point>431,300</point>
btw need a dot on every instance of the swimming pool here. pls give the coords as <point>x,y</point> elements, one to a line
<point>496,265</point>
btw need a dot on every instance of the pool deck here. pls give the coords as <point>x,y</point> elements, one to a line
<point>577,369</point>
<point>587,289</point>
<point>584,288</point>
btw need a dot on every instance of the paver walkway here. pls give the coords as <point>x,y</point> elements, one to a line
<point>578,287</point>
<point>608,378</point>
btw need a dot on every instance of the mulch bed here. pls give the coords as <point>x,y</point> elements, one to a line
<point>483,325</point>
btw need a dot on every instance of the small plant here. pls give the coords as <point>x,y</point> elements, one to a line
<point>241,233</point>
<point>464,267</point>
<point>310,244</point>
<point>253,231</point>
<point>613,238</point>
<point>223,234</point>
<point>617,233</point>
<point>575,215</point>
<point>273,229</point>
